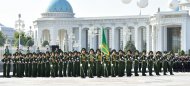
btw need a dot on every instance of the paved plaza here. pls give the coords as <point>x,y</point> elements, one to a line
<point>179,79</point>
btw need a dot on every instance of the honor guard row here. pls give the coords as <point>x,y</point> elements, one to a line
<point>91,64</point>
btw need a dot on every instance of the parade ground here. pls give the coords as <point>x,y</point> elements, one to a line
<point>179,79</point>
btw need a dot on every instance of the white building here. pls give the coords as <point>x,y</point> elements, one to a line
<point>7,31</point>
<point>163,31</point>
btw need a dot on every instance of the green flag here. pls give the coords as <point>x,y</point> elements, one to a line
<point>104,45</point>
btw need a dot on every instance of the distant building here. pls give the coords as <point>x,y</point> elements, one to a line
<point>163,31</point>
<point>7,31</point>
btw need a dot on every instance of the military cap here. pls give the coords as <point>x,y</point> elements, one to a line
<point>129,51</point>
<point>150,52</point>
<point>83,49</point>
<point>98,50</point>
<point>91,50</point>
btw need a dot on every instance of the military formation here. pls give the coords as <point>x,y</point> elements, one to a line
<point>90,64</point>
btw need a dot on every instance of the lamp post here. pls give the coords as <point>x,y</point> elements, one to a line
<point>19,25</point>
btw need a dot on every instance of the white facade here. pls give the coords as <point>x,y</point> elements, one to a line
<point>163,31</point>
<point>7,31</point>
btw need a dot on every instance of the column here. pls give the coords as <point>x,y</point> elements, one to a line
<point>153,39</point>
<point>81,38</point>
<point>91,30</point>
<point>113,38</point>
<point>125,36</point>
<point>53,36</point>
<point>39,37</point>
<point>148,39</point>
<point>70,40</point>
<point>160,41</point>
<point>184,39</point>
<point>137,39</point>
<point>165,38</point>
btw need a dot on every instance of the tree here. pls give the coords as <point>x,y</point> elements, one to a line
<point>182,53</point>
<point>130,46</point>
<point>23,39</point>
<point>2,39</point>
<point>30,43</point>
<point>45,43</point>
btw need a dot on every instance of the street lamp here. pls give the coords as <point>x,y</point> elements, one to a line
<point>19,25</point>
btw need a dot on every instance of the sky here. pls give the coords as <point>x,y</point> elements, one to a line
<point>32,9</point>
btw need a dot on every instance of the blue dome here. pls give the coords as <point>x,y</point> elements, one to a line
<point>60,6</point>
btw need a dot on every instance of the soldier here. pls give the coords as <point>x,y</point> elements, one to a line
<point>136,62</point>
<point>121,65</point>
<point>83,63</point>
<point>5,61</point>
<point>39,64</point>
<point>30,65</point>
<point>165,63</point>
<point>14,64</point>
<point>144,63</point>
<point>170,63</point>
<point>26,59</point>
<point>34,65</point>
<point>98,63</point>
<point>91,60</point>
<point>56,64</point>
<point>129,63</point>
<point>38,51</point>
<point>65,64</point>
<point>43,64</point>
<point>150,62</point>
<point>60,62</point>
<point>28,50</point>
<point>7,51</point>
<point>22,64</point>
<point>114,64</point>
<point>156,63</point>
<point>47,50</point>
<point>70,65</point>
<point>106,65</point>
<point>18,64</point>
<point>47,65</point>
<point>76,64</point>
